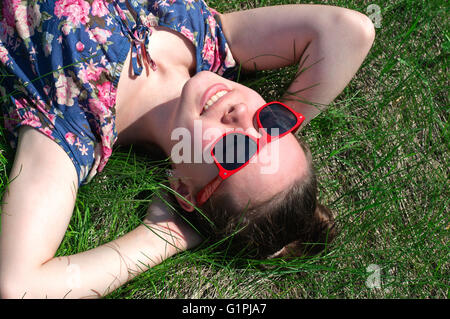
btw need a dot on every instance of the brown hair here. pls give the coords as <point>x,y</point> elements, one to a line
<point>290,224</point>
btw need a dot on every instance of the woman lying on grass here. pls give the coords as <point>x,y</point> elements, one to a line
<point>91,73</point>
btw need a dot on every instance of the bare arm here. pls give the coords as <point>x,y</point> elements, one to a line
<point>328,42</point>
<point>36,210</point>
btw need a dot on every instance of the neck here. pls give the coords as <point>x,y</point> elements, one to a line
<point>148,117</point>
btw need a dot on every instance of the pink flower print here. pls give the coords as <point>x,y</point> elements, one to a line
<point>214,56</point>
<point>76,11</point>
<point>106,153</point>
<point>3,54</point>
<point>120,11</point>
<point>229,59</point>
<point>41,106</point>
<point>163,3</point>
<point>212,25</point>
<point>149,20</point>
<point>100,35</point>
<point>47,131</point>
<point>51,118</point>
<point>20,103</point>
<point>107,94</point>
<point>99,8</point>
<point>108,131</point>
<point>70,138</point>
<point>209,51</point>
<point>66,90</point>
<point>106,98</point>
<point>90,73</point>
<point>79,46</point>
<point>9,8</point>
<point>106,140</point>
<point>97,107</point>
<point>66,28</point>
<point>22,28</point>
<point>27,19</point>
<point>31,120</point>
<point>24,18</point>
<point>213,11</point>
<point>187,33</point>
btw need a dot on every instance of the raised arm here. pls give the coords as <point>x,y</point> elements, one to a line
<point>328,42</point>
<point>35,212</point>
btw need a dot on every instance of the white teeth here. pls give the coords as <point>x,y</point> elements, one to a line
<point>214,99</point>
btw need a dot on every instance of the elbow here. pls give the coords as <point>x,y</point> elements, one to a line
<point>358,26</point>
<point>14,286</point>
<point>366,30</point>
<point>9,289</point>
<point>16,289</point>
<point>9,283</point>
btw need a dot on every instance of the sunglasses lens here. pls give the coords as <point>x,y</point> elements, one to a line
<point>277,119</point>
<point>234,150</point>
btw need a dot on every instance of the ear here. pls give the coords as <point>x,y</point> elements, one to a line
<point>185,189</point>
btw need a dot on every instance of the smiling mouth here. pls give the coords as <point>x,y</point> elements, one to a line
<point>212,95</point>
<point>213,99</point>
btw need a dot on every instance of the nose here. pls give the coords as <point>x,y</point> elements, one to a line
<point>235,113</point>
<point>240,116</point>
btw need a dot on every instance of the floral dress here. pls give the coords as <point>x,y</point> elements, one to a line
<point>60,63</point>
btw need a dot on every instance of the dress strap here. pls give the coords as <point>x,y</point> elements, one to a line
<point>139,38</point>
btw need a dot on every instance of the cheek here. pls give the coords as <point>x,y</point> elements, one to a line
<point>209,136</point>
<point>252,98</point>
<point>268,159</point>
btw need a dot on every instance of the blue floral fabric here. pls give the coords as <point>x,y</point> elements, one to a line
<point>61,60</point>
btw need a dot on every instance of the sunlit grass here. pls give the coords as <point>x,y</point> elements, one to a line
<point>381,152</point>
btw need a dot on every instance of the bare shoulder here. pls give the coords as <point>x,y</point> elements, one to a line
<point>42,159</point>
<point>37,204</point>
<point>36,208</point>
<point>42,177</point>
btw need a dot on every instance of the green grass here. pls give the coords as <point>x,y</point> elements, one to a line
<point>382,156</point>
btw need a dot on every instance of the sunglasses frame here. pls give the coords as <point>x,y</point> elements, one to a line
<point>206,192</point>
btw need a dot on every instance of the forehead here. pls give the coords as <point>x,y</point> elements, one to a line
<point>276,167</point>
